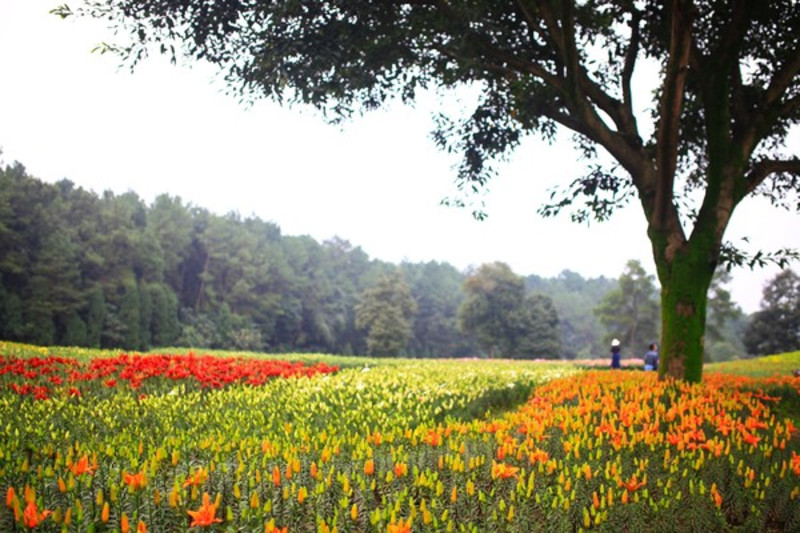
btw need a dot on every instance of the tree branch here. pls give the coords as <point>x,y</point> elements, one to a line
<point>734,32</point>
<point>630,59</point>
<point>771,105</point>
<point>782,79</point>
<point>583,97</point>
<point>790,106</point>
<point>765,167</point>
<point>671,105</point>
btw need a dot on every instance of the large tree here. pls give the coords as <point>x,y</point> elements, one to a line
<point>725,93</point>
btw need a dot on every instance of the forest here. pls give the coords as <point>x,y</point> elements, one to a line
<point>110,271</point>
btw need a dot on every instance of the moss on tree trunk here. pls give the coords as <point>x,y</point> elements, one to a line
<point>684,295</point>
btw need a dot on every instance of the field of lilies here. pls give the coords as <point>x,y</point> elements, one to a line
<point>97,441</point>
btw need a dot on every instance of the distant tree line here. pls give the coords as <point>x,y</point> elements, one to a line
<point>110,271</point>
<point>82,269</point>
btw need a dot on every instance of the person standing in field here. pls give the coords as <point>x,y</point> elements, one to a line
<point>615,354</point>
<point>651,357</point>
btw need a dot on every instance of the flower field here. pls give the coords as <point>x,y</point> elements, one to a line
<point>96,441</point>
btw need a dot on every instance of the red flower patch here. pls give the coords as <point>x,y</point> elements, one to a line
<point>35,376</point>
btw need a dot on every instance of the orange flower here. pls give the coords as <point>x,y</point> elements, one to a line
<point>749,438</point>
<point>198,478</point>
<point>795,463</point>
<point>400,469</point>
<point>369,467</point>
<point>503,470</point>
<point>11,495</point>
<point>141,527</point>
<point>276,477</point>
<point>302,494</point>
<point>716,495</point>
<point>135,481</point>
<point>124,526</point>
<point>204,516</point>
<point>632,485</point>
<point>81,467</point>
<point>32,517</point>
<point>433,438</point>
<point>539,456</point>
<point>105,513</point>
<point>402,527</point>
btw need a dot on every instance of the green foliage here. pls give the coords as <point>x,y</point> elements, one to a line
<point>436,288</point>
<point>574,298</point>
<point>724,321</point>
<point>491,308</point>
<point>540,337</point>
<point>776,327</point>
<point>165,326</point>
<point>11,323</point>
<point>631,312</point>
<point>130,316</point>
<point>96,316</point>
<point>760,367</point>
<point>386,311</point>
<point>140,276</point>
<point>504,321</point>
<point>75,334</point>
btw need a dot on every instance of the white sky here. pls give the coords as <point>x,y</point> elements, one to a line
<point>376,181</point>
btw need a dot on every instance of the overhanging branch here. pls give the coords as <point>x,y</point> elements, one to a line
<point>772,105</point>
<point>765,168</point>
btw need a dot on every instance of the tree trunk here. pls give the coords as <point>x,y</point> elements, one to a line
<point>685,280</point>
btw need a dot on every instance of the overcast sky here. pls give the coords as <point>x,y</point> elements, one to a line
<point>376,181</point>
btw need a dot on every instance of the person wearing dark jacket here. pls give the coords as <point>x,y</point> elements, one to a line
<point>651,357</point>
<point>615,355</point>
